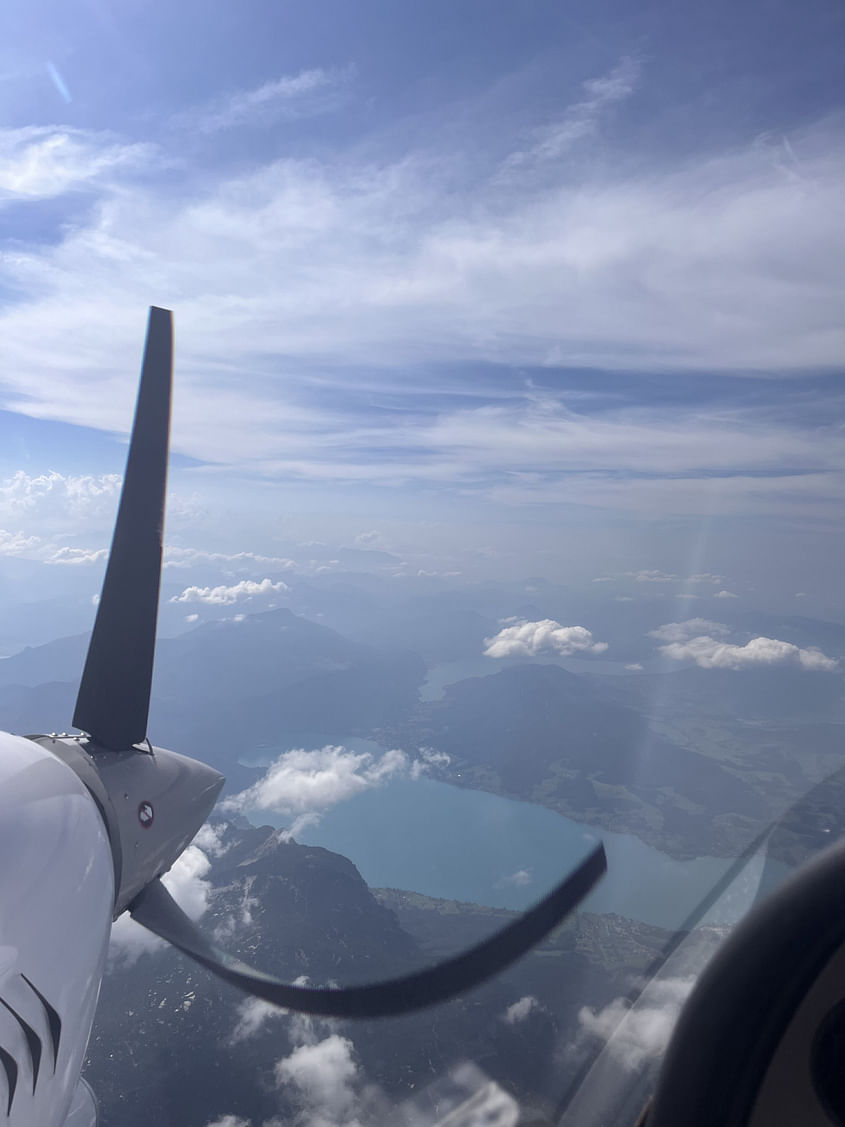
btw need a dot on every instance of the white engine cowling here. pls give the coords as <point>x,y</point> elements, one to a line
<point>56,903</point>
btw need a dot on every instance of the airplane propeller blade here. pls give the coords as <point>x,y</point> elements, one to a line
<point>114,694</point>
<point>156,909</point>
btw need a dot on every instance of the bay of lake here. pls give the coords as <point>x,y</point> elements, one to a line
<point>455,843</point>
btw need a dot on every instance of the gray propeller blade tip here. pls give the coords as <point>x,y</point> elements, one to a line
<point>114,694</point>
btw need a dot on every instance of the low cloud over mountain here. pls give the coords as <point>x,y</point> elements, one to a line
<point>693,640</point>
<point>527,639</point>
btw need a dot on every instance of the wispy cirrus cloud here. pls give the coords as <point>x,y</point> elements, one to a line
<point>305,94</point>
<point>328,267</point>
<point>580,120</point>
<point>43,162</point>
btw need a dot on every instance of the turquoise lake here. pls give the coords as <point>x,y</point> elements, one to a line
<point>456,843</point>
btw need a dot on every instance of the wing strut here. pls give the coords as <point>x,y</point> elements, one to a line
<point>156,909</point>
<point>114,695</point>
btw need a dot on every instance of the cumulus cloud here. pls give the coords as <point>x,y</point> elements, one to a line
<point>652,575</point>
<point>67,555</point>
<point>634,666</point>
<point>706,577</point>
<point>710,653</point>
<point>368,539</point>
<point>187,885</point>
<point>546,636</point>
<point>725,595</point>
<point>16,543</point>
<point>680,631</point>
<point>254,1014</point>
<point>640,1032</point>
<point>694,640</point>
<point>323,1075</point>
<point>209,839</point>
<point>519,1011</point>
<point>230,1121</point>
<point>225,596</point>
<point>188,557</point>
<point>303,783</point>
<point>519,879</point>
<point>69,498</point>
<point>428,757</point>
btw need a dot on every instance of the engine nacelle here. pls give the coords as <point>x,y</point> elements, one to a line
<point>57,899</point>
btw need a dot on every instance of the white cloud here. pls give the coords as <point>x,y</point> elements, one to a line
<point>302,783</point>
<point>210,840</point>
<point>652,575</point>
<point>355,262</point>
<point>368,539</point>
<point>519,1011</point>
<point>725,595</point>
<point>230,1121</point>
<point>680,631</point>
<point>324,1076</point>
<point>225,596</point>
<point>581,120</point>
<point>187,885</point>
<point>520,878</point>
<point>254,1014</point>
<point>428,757</point>
<point>706,577</point>
<point>192,618</point>
<point>16,543</point>
<point>291,96</point>
<point>693,640</point>
<point>710,653</point>
<point>61,499</point>
<point>66,555</point>
<point>530,638</point>
<point>638,1033</point>
<point>40,162</point>
<point>188,557</point>
<point>634,666</point>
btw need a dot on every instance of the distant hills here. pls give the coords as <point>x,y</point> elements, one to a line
<point>694,761</point>
<point>540,733</point>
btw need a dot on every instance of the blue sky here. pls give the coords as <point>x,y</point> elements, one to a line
<point>555,287</point>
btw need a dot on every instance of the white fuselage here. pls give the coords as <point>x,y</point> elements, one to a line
<point>56,904</point>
